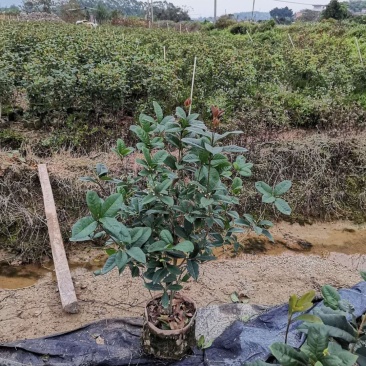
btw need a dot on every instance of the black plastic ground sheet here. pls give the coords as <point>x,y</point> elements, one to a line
<point>116,342</point>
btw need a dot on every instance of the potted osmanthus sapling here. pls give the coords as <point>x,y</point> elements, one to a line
<point>165,222</point>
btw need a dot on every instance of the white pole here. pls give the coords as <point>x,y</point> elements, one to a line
<point>152,11</point>
<point>291,40</point>
<point>164,54</point>
<point>359,51</point>
<point>194,74</point>
<point>249,35</point>
<point>215,10</point>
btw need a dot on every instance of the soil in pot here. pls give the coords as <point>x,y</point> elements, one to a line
<point>169,335</point>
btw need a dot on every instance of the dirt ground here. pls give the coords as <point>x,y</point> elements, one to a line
<point>266,277</point>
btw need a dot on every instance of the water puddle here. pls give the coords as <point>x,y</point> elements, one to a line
<point>21,276</point>
<point>15,277</point>
<point>340,242</point>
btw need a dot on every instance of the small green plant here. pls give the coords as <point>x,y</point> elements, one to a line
<point>300,304</point>
<point>202,343</point>
<point>166,221</point>
<point>334,336</point>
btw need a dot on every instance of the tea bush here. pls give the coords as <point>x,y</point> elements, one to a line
<point>63,68</point>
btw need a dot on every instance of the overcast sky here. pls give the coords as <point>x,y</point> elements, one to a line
<point>205,7</point>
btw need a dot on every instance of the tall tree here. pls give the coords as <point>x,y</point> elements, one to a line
<point>335,10</point>
<point>37,5</point>
<point>308,15</point>
<point>168,11</point>
<point>282,13</point>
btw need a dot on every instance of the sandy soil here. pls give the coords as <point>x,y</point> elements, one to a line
<point>267,279</point>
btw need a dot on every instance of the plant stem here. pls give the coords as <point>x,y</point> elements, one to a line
<point>359,332</point>
<point>288,327</point>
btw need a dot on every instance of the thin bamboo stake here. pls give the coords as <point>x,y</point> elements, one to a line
<point>164,54</point>
<point>359,51</point>
<point>249,35</point>
<point>194,74</point>
<point>291,40</point>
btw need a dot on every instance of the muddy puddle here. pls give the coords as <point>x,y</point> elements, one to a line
<point>22,276</point>
<point>340,242</point>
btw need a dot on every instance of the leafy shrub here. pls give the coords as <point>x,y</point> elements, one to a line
<point>164,222</point>
<point>225,21</point>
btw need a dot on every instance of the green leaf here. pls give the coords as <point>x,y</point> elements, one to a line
<point>214,177</point>
<point>237,185</point>
<point>180,113</point>
<point>83,228</point>
<point>141,134</point>
<point>166,236</point>
<point>159,275</point>
<point>160,157</point>
<point>306,298</point>
<point>111,205</point>
<point>267,198</point>
<point>148,199</point>
<point>282,187</point>
<point>287,356</point>
<point>116,229</point>
<point>167,200</point>
<point>185,246</point>
<point>206,202</point>
<point>263,188</point>
<point>218,137</point>
<point>234,149</point>
<point>282,206</point>
<point>173,269</point>
<point>146,122</point>
<point>266,233</point>
<point>142,237</point>
<point>165,300</point>
<point>333,331</point>
<point>175,287</point>
<point>308,318</point>
<point>137,254</point>
<point>265,223</point>
<point>158,112</point>
<point>363,275</point>
<point>150,286</point>
<point>346,358</point>
<point>193,142</point>
<point>109,264</point>
<point>94,204</point>
<point>213,150</point>
<point>316,342</point>
<point>163,185</point>
<point>190,158</point>
<point>331,297</point>
<point>101,169</point>
<point>158,246</point>
<point>193,269</point>
<point>171,161</point>
<point>235,297</point>
<point>121,260</point>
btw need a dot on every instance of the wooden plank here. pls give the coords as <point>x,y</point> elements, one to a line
<point>63,275</point>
